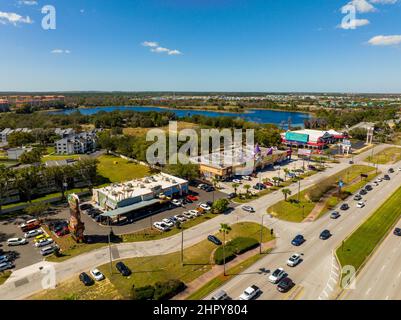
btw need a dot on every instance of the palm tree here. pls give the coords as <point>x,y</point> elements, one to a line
<point>225,229</point>
<point>276,181</point>
<point>286,193</point>
<point>286,172</point>
<point>235,187</point>
<point>247,187</point>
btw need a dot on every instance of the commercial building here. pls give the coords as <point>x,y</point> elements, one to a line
<point>311,139</point>
<point>122,198</point>
<point>77,143</point>
<point>225,164</point>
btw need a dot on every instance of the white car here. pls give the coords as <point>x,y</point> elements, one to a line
<point>248,178</point>
<point>168,222</point>
<point>16,241</point>
<point>3,259</point>
<point>187,215</point>
<point>97,274</point>
<point>204,206</point>
<point>200,186</point>
<point>248,209</point>
<point>360,204</point>
<point>379,179</point>
<point>33,233</point>
<point>375,183</point>
<point>180,217</point>
<point>294,260</point>
<point>194,213</point>
<point>277,275</point>
<point>237,181</point>
<point>44,242</point>
<point>176,202</point>
<point>250,293</point>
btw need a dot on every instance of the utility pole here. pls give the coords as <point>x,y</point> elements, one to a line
<point>182,245</point>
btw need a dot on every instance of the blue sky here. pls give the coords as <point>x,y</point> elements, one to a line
<point>201,45</point>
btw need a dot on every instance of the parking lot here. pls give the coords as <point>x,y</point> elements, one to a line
<point>267,173</point>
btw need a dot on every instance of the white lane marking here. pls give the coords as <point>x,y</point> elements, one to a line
<point>367,292</point>
<point>399,275</point>
<point>384,266</point>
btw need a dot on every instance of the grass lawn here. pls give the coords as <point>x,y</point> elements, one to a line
<point>4,276</point>
<point>61,157</point>
<point>117,169</point>
<point>387,156</point>
<point>148,270</point>
<point>295,211</point>
<point>358,247</point>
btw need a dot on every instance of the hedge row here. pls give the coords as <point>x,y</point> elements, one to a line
<point>160,291</point>
<point>233,248</point>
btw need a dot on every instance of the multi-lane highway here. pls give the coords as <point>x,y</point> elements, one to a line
<point>318,274</point>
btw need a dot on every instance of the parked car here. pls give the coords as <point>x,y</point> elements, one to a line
<point>375,183</point>
<point>48,250</point>
<point>85,206</point>
<point>360,204</point>
<point>277,275</point>
<point>368,187</point>
<point>6,266</point>
<point>386,177</point>
<point>30,225</point>
<point>180,218</point>
<point>16,241</point>
<point>268,184</point>
<point>3,258</point>
<point>123,269</point>
<point>33,233</point>
<point>294,260</point>
<point>214,240</point>
<point>43,242</point>
<point>187,215</point>
<point>248,209</point>
<point>397,232</point>
<point>391,170</point>
<point>40,237</point>
<point>363,192</point>
<point>161,226</point>
<point>358,197</point>
<point>259,186</point>
<point>97,275</point>
<point>298,240</point>
<point>285,285</point>
<point>176,202</point>
<point>204,206</point>
<point>237,181</point>
<point>379,179</point>
<point>250,293</point>
<point>168,222</point>
<point>231,195</point>
<point>344,206</point>
<point>325,235</point>
<point>335,215</point>
<point>221,295</point>
<point>209,189</point>
<point>201,186</point>
<point>195,213</point>
<point>85,279</point>
<point>192,198</point>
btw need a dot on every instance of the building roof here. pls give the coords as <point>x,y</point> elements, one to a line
<point>140,187</point>
<point>123,210</point>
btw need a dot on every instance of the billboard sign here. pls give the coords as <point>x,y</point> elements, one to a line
<point>304,152</point>
<point>297,137</point>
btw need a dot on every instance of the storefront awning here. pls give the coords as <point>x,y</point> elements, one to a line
<point>124,210</point>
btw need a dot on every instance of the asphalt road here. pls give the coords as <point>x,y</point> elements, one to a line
<point>318,274</point>
<point>312,276</point>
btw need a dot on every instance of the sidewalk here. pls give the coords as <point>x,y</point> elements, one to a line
<point>218,270</point>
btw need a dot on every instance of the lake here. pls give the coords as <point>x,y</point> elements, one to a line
<point>255,115</point>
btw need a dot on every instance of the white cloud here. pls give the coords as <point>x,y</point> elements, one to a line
<point>362,6</point>
<point>60,51</point>
<point>13,18</point>
<point>28,2</point>
<point>150,44</point>
<point>384,1</point>
<point>158,49</point>
<point>385,40</point>
<point>352,24</point>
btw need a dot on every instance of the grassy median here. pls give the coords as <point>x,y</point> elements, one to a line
<point>387,156</point>
<point>296,211</point>
<point>356,249</point>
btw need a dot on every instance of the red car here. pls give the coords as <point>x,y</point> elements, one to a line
<point>192,198</point>
<point>268,184</point>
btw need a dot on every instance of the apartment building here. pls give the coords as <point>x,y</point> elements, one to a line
<point>77,143</point>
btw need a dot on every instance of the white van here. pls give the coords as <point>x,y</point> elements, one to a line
<point>16,241</point>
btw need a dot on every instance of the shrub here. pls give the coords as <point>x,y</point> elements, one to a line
<point>233,248</point>
<point>143,293</point>
<point>168,289</point>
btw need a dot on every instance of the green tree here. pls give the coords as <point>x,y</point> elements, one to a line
<point>87,168</point>
<point>188,171</point>
<point>247,187</point>
<point>61,175</point>
<point>235,186</point>
<point>225,229</point>
<point>18,139</point>
<point>286,193</point>
<point>6,182</point>
<point>27,180</point>
<point>220,206</point>
<point>30,157</point>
